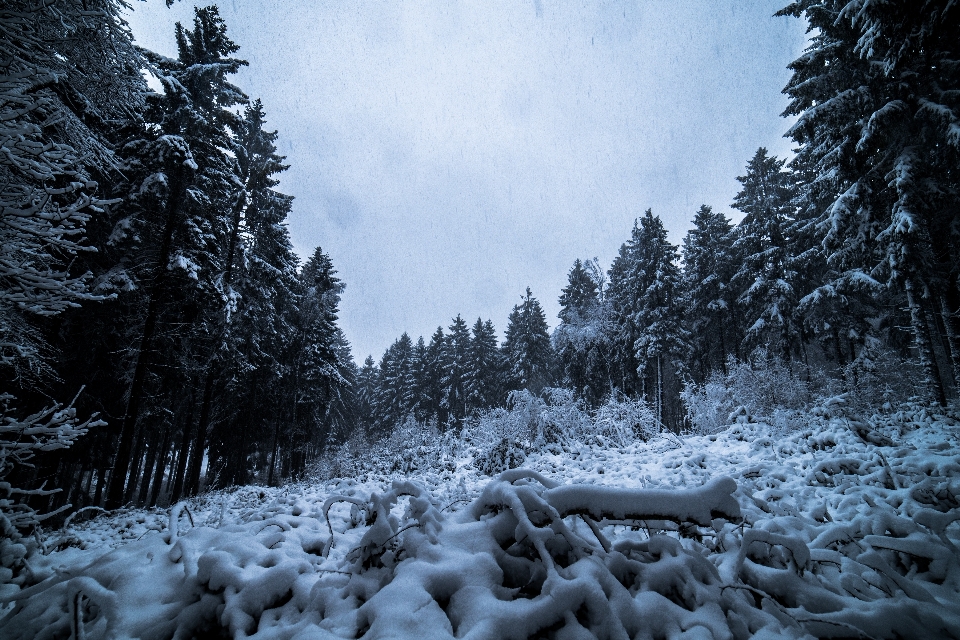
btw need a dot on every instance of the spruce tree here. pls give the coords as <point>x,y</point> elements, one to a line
<point>484,368</point>
<point>527,347</point>
<point>645,296</point>
<point>765,279</point>
<point>581,340</point>
<point>396,388</point>
<point>875,96</point>
<point>708,299</point>
<point>182,196</point>
<point>454,372</point>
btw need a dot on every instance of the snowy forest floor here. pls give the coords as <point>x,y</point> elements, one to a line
<point>845,528</point>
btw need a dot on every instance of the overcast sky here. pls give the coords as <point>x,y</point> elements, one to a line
<point>447,155</point>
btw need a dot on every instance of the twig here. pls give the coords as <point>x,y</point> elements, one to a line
<point>69,519</point>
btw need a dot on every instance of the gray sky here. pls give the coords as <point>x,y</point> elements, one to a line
<point>447,155</point>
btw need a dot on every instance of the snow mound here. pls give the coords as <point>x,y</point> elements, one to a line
<point>846,529</point>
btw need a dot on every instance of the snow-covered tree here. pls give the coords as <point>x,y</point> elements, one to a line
<point>582,339</point>
<point>878,113</point>
<point>645,298</point>
<point>396,389</point>
<point>183,192</point>
<point>455,371</point>
<point>484,368</point>
<point>765,277</point>
<point>69,78</point>
<point>527,347</point>
<point>709,302</point>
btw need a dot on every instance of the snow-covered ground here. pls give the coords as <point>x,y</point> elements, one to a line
<point>846,528</point>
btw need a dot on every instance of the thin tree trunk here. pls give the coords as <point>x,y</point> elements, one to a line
<point>101,480</point>
<point>925,355</point>
<point>660,389</point>
<point>137,459</point>
<point>132,411</point>
<point>838,348</point>
<point>192,485</point>
<point>182,457</point>
<point>87,483</point>
<point>161,463</point>
<point>723,344</point>
<point>152,446</point>
<point>953,339</point>
<point>273,456</point>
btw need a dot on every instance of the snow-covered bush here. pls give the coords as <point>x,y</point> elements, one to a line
<point>760,389</point>
<point>621,420</point>
<point>501,438</point>
<point>410,447</point>
<point>55,427</point>
<point>708,404</point>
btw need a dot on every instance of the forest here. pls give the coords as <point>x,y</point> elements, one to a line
<point>159,337</point>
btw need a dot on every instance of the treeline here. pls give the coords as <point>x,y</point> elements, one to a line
<point>147,272</point>
<point>844,255</point>
<point>456,374</point>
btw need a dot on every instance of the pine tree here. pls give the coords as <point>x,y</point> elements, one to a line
<point>396,387</point>
<point>69,82</point>
<point>876,98</point>
<point>708,300</point>
<point>454,372</point>
<point>527,347</point>
<point>484,368</point>
<point>580,341</point>
<point>645,291</point>
<point>765,279</point>
<point>418,374</point>
<point>263,288</point>
<point>366,395</point>
<point>182,196</point>
<point>317,374</point>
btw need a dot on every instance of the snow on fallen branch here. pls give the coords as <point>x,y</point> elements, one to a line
<point>699,506</point>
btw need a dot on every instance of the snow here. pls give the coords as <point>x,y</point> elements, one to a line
<point>845,527</point>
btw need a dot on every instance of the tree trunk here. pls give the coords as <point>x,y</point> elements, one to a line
<point>925,355</point>
<point>182,457</point>
<point>953,338</point>
<point>137,459</point>
<point>161,463</point>
<point>147,474</point>
<point>273,456</point>
<point>192,485</point>
<point>101,479</point>
<point>131,413</point>
<point>838,348</point>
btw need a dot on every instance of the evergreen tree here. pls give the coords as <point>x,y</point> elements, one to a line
<point>69,82</point>
<point>581,340</point>
<point>263,286</point>
<point>645,291</point>
<point>765,278</point>
<point>708,300</point>
<point>366,394</point>
<point>484,368</point>
<point>429,380</point>
<point>182,194</point>
<point>317,373</point>
<point>419,372</point>
<point>876,95</point>
<point>455,371</point>
<point>527,347</point>
<point>396,388</point>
